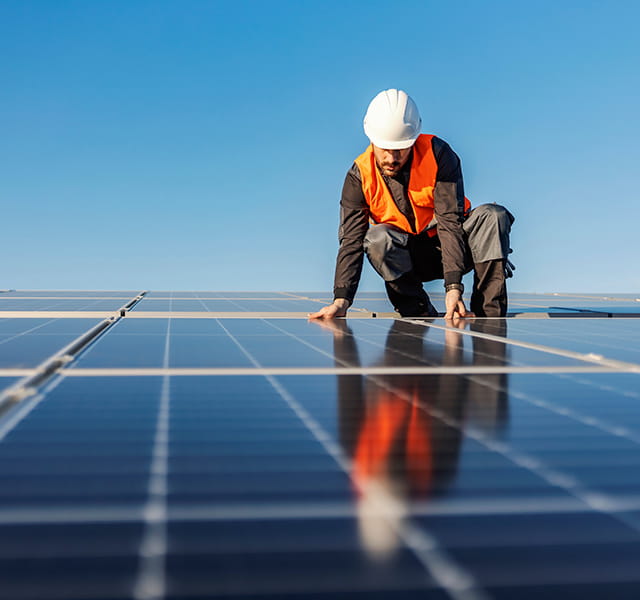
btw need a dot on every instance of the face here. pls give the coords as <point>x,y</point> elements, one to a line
<point>391,161</point>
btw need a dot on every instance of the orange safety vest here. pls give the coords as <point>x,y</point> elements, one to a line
<point>422,181</point>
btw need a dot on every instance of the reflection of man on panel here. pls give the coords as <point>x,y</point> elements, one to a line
<point>404,433</point>
<point>409,185</point>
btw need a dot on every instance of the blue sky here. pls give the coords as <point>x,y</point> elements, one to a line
<point>203,145</point>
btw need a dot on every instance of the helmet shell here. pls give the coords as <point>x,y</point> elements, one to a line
<point>392,120</point>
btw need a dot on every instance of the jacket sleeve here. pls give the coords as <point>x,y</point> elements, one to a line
<point>449,211</point>
<point>354,223</point>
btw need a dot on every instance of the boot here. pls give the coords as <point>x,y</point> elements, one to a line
<point>409,298</point>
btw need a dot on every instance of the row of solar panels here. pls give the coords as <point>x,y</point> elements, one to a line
<point>187,457</point>
<point>622,305</point>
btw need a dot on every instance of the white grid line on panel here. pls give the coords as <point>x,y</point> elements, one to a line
<point>348,370</point>
<point>524,505</point>
<point>17,372</point>
<point>26,332</point>
<point>151,578</point>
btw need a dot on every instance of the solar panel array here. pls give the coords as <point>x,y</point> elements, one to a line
<point>220,445</point>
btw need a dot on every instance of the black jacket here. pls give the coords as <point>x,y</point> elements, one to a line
<point>449,211</point>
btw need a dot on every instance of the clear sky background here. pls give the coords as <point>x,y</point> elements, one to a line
<point>202,145</point>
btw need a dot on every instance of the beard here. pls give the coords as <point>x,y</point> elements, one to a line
<point>391,169</point>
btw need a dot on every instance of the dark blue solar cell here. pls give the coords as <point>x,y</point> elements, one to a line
<point>95,490</point>
<point>42,540</point>
<point>283,573</point>
<point>166,305</point>
<point>25,343</point>
<point>143,350</point>
<point>25,460</point>
<point>69,294</point>
<point>250,463</point>
<point>526,529</point>
<point>204,327</point>
<point>256,535</point>
<point>61,304</point>
<point>551,564</point>
<point>134,327</point>
<point>72,578</point>
<point>206,351</point>
<point>592,590</point>
<point>6,382</point>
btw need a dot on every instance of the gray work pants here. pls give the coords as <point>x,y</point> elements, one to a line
<point>404,261</point>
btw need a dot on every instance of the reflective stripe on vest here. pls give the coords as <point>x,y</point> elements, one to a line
<point>422,180</point>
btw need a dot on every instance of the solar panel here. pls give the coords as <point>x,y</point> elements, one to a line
<point>219,445</point>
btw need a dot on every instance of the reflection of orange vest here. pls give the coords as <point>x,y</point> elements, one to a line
<point>395,427</point>
<point>422,181</point>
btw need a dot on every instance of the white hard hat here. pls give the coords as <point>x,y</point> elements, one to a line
<point>392,120</point>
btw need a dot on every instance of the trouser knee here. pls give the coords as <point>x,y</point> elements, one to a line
<point>488,228</point>
<point>386,249</point>
<point>494,213</point>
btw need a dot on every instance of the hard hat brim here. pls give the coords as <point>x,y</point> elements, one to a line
<point>393,145</point>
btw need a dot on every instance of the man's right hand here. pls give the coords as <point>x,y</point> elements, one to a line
<point>337,309</point>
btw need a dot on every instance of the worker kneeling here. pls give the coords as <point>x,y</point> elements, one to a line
<point>403,205</point>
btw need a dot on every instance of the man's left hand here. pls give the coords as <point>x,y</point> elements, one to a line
<point>455,306</point>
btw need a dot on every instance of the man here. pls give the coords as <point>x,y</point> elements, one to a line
<point>409,187</point>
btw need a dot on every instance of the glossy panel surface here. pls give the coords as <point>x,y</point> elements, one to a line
<point>61,304</point>
<point>68,294</point>
<point>617,339</point>
<point>496,459</point>
<point>227,305</point>
<point>25,343</point>
<point>334,475</point>
<point>297,343</point>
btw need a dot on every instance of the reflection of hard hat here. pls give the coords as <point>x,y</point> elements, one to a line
<point>392,120</point>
